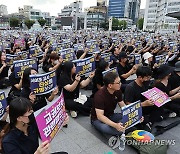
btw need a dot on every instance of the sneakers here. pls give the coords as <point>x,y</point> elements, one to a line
<point>114,142</point>
<point>73,114</point>
<point>172,115</point>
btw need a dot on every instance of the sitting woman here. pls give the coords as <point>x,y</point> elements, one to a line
<point>164,73</point>
<point>71,82</point>
<point>4,82</point>
<point>98,78</point>
<point>16,85</point>
<point>23,135</point>
<point>38,101</point>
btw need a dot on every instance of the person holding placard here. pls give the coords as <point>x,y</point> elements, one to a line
<point>71,82</point>
<point>4,82</point>
<point>105,100</point>
<point>133,92</point>
<point>23,134</point>
<point>38,101</point>
<point>164,72</point>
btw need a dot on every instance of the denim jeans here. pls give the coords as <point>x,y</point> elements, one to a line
<point>106,129</point>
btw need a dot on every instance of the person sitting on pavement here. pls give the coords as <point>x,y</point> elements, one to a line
<point>71,82</point>
<point>133,92</point>
<point>105,100</point>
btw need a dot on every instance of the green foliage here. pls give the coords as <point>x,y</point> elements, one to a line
<point>14,22</point>
<point>29,23</point>
<point>104,25</point>
<point>118,24</point>
<point>140,23</point>
<point>42,22</point>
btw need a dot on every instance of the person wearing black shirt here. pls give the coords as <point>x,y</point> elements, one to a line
<point>133,93</point>
<point>38,101</point>
<point>23,135</point>
<point>4,83</point>
<point>164,73</point>
<point>98,78</point>
<point>115,56</point>
<point>71,83</point>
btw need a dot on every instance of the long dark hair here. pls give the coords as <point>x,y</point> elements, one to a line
<point>18,107</point>
<point>26,79</point>
<point>0,56</point>
<point>67,67</point>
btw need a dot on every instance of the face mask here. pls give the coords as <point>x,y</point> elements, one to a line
<point>31,119</point>
<point>146,83</point>
<point>56,62</point>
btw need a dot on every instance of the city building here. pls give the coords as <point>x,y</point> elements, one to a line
<point>124,9</point>
<point>72,9</point>
<point>141,13</point>
<point>101,2</point>
<point>155,15</point>
<point>3,10</point>
<point>4,22</point>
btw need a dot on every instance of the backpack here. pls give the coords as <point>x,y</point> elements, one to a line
<point>148,148</point>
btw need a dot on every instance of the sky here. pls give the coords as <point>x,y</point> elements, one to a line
<point>52,6</point>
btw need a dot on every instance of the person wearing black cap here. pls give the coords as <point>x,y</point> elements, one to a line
<point>164,73</point>
<point>124,69</point>
<point>174,79</point>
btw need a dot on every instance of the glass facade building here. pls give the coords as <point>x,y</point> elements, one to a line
<point>116,8</point>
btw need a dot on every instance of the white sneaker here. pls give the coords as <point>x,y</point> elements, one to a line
<point>172,115</point>
<point>73,114</point>
<point>114,142</point>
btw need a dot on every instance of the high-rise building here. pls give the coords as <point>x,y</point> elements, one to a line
<point>101,2</point>
<point>72,9</point>
<point>3,10</point>
<point>124,9</point>
<point>155,18</point>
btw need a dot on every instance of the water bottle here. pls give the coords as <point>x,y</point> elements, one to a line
<point>122,142</point>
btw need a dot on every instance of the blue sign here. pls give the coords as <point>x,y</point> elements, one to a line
<point>85,66</point>
<point>43,83</point>
<point>3,104</point>
<point>132,114</point>
<point>68,54</point>
<point>110,70</point>
<point>21,65</point>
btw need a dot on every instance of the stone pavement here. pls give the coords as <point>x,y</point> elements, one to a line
<point>81,138</point>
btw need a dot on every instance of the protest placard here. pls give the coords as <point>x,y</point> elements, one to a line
<point>131,114</point>
<point>160,59</point>
<point>21,65</point>
<point>106,57</point>
<point>50,119</point>
<point>43,83</point>
<point>138,59</point>
<point>110,70</point>
<point>157,96</point>
<point>68,54</point>
<point>19,42</point>
<point>35,51</point>
<point>10,58</point>
<point>85,66</point>
<point>3,104</point>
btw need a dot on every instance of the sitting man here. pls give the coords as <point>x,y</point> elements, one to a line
<point>103,117</point>
<point>133,92</point>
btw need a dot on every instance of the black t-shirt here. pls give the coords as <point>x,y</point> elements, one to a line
<point>98,79</point>
<point>40,101</point>
<point>15,142</point>
<point>13,81</point>
<point>65,80</point>
<point>174,81</point>
<point>103,100</point>
<point>123,70</point>
<point>4,72</point>
<point>162,87</point>
<point>133,92</point>
<point>130,48</point>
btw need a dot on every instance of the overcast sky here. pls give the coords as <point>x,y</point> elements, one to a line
<point>52,6</point>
